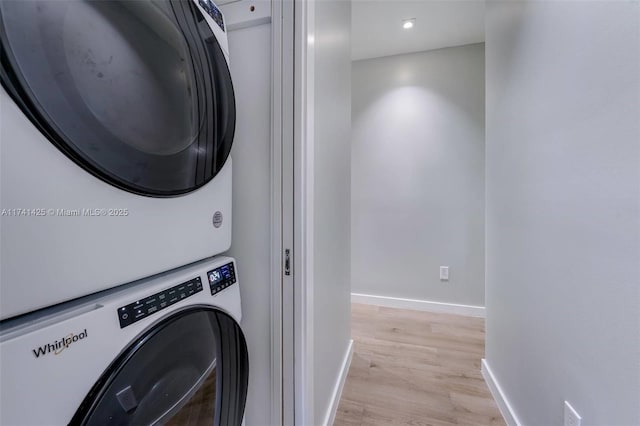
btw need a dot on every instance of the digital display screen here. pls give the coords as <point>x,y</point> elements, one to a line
<point>221,278</point>
<point>215,276</point>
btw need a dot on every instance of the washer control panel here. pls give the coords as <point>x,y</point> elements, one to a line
<point>142,308</point>
<point>221,278</point>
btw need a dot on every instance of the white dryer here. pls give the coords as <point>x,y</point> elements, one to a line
<point>166,350</point>
<point>117,119</point>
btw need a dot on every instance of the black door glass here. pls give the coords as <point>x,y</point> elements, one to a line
<point>136,92</point>
<point>191,369</point>
<point>200,410</point>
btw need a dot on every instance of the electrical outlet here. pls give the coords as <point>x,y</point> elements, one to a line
<point>571,416</point>
<point>444,273</point>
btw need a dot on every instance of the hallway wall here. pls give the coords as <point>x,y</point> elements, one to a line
<point>331,251</point>
<point>563,208</point>
<point>417,184</point>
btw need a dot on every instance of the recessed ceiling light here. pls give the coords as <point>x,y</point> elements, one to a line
<point>408,23</point>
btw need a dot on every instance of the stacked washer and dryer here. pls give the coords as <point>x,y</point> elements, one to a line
<point>117,120</point>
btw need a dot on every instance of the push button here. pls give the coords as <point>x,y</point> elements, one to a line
<point>138,310</point>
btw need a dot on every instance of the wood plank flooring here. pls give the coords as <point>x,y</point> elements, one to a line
<point>415,368</point>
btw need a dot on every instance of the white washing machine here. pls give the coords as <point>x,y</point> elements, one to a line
<point>166,350</point>
<point>116,123</point>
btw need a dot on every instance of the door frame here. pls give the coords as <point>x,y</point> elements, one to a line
<point>277,243</point>
<point>292,199</point>
<point>303,208</point>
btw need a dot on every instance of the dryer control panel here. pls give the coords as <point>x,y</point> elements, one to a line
<point>221,277</point>
<point>142,308</point>
<point>213,11</point>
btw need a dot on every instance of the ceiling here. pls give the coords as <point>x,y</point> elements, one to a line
<point>377,26</point>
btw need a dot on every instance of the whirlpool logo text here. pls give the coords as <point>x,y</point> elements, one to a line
<point>59,345</point>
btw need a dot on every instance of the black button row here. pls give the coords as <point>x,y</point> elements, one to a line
<point>221,278</point>
<point>140,309</point>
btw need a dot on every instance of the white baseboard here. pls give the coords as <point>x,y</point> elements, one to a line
<point>498,394</point>
<point>419,305</point>
<point>337,390</point>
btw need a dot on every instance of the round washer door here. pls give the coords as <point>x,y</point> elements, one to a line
<point>190,369</point>
<point>138,93</point>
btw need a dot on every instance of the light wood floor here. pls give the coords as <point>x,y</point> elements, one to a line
<point>415,368</point>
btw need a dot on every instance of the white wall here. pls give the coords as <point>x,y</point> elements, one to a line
<point>250,54</point>
<point>331,197</point>
<point>563,208</point>
<point>418,175</point>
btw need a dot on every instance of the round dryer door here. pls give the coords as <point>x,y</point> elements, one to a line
<point>138,93</point>
<point>190,369</point>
